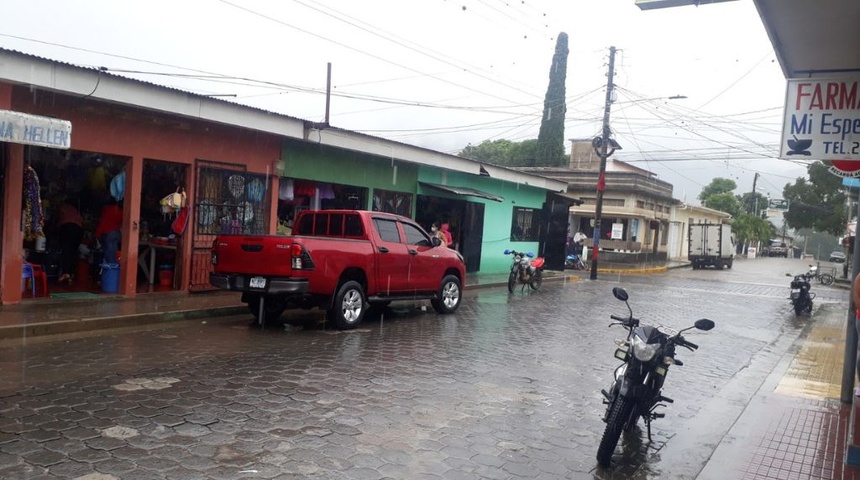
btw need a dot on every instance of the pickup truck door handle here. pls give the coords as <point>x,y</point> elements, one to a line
<point>413,252</point>
<point>382,249</point>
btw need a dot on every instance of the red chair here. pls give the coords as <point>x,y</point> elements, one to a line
<point>34,273</point>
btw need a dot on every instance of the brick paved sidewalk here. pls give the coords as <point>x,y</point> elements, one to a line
<point>795,427</point>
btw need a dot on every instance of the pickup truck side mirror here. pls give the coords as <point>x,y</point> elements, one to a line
<point>436,241</point>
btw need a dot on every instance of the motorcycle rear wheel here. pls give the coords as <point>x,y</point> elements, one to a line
<point>615,423</point>
<point>512,282</point>
<point>825,279</point>
<point>536,280</point>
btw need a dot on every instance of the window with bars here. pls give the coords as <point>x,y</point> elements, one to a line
<point>524,226</point>
<point>231,202</point>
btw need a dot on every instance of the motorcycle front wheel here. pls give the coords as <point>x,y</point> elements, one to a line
<point>536,280</point>
<point>615,423</point>
<point>512,282</point>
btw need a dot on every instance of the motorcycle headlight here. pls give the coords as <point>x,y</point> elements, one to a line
<point>644,352</point>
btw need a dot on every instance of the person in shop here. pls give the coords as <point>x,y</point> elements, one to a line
<point>71,232</point>
<point>108,230</point>
<point>448,237</point>
<point>436,232</point>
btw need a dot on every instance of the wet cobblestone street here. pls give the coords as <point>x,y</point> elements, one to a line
<point>508,387</point>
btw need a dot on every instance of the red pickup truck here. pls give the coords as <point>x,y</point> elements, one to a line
<point>343,261</point>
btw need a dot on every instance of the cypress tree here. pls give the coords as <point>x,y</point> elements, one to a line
<point>550,148</point>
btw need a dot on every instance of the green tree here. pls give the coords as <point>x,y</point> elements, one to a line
<point>716,187</point>
<point>751,229</point>
<point>503,152</point>
<point>752,203</point>
<point>724,202</point>
<point>550,144</point>
<point>818,203</point>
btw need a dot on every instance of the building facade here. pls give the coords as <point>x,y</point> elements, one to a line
<point>237,170</point>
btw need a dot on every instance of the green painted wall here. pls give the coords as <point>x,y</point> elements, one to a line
<point>497,215</point>
<point>332,165</point>
<point>326,164</point>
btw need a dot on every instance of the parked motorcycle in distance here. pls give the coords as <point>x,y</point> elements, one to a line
<point>815,272</point>
<point>636,390</point>
<point>575,262</point>
<point>524,270</point>
<point>801,298</point>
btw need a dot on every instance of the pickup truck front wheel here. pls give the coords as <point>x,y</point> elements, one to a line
<point>449,295</point>
<point>349,306</point>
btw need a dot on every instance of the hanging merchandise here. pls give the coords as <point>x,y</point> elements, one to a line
<point>117,186</point>
<point>181,221</point>
<point>172,202</point>
<point>236,184</point>
<point>34,218</point>
<point>256,189</point>
<point>285,191</point>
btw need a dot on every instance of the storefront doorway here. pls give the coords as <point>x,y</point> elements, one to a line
<point>465,221</point>
<point>72,187</point>
<point>162,226</point>
<point>228,200</point>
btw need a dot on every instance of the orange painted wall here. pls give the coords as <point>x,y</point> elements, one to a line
<point>137,134</point>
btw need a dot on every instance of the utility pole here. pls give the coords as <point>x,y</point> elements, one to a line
<point>755,178</point>
<point>602,147</point>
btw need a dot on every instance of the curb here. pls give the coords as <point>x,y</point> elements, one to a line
<point>84,324</point>
<point>41,329</point>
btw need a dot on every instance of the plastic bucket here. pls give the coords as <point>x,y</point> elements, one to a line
<point>110,277</point>
<point>165,275</point>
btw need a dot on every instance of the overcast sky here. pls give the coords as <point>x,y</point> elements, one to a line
<point>442,74</point>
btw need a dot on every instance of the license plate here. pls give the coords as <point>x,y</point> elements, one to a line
<point>257,282</point>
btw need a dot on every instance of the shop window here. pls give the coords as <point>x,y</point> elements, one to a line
<point>664,233</point>
<point>392,202</point>
<point>231,201</point>
<point>524,225</point>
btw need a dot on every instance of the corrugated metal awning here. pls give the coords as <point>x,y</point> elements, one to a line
<point>464,191</point>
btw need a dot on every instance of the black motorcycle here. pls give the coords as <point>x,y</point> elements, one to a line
<point>801,298</point>
<point>646,353</point>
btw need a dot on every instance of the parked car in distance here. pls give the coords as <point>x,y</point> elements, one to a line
<point>777,249</point>
<point>837,256</point>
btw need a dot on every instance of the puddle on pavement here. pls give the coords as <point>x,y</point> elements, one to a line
<point>816,371</point>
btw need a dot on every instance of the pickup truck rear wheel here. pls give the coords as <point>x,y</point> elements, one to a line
<point>273,307</point>
<point>449,295</point>
<point>348,308</point>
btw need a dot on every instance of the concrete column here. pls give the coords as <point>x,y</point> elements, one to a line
<point>131,226</point>
<point>13,236</point>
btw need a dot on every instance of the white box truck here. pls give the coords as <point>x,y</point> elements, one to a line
<point>711,244</point>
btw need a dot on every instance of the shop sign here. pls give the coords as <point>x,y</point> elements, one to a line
<point>822,120</point>
<point>17,127</point>
<point>617,231</point>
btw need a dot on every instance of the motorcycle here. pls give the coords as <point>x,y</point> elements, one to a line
<point>815,272</point>
<point>525,270</point>
<point>636,391</point>
<point>575,262</point>
<point>801,298</point>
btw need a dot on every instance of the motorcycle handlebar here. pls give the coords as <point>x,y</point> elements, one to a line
<point>685,343</point>
<point>616,317</point>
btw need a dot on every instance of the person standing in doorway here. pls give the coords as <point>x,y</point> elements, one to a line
<point>436,232</point>
<point>71,232</point>
<point>448,237</point>
<point>108,230</point>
